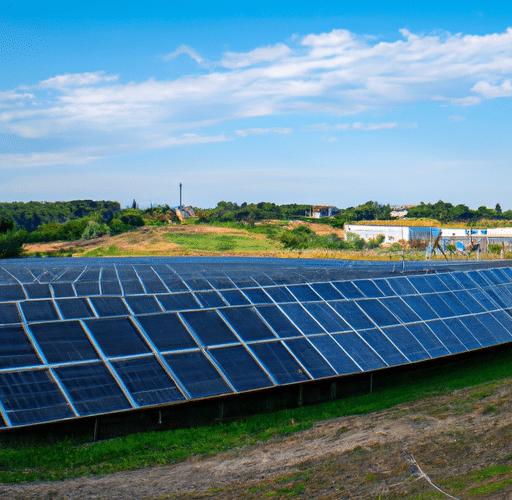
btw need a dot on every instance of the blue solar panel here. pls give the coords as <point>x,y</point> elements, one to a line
<point>302,319</point>
<point>30,397</point>
<point>92,388</point>
<point>352,315</point>
<point>334,354</point>
<point>327,317</point>
<point>15,348</point>
<point>380,343</point>
<point>283,368</point>
<point>309,357</point>
<point>359,351</point>
<point>402,338</point>
<point>87,339</point>
<point>39,310</point>
<point>279,323</point>
<point>166,331</point>
<point>247,324</point>
<point>117,336</point>
<point>209,327</point>
<point>74,308</point>
<point>147,381</point>
<point>446,336</point>
<point>368,288</point>
<point>234,297</point>
<point>377,312</point>
<point>63,341</point>
<point>9,314</point>
<point>197,374</point>
<point>240,368</point>
<point>426,337</point>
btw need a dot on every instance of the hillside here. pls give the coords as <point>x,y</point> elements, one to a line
<point>459,442</point>
<point>173,240</point>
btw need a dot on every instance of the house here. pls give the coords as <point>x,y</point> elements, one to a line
<point>319,211</point>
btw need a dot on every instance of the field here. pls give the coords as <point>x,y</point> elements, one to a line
<point>443,435</point>
<point>181,240</point>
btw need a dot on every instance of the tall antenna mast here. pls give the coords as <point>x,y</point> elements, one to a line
<point>181,203</point>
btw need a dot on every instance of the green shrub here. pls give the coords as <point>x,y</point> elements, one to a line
<point>95,230</point>
<point>355,241</point>
<point>495,248</point>
<point>11,243</point>
<point>131,219</point>
<point>375,242</point>
<point>7,224</point>
<point>299,238</point>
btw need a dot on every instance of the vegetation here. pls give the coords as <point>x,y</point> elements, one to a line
<point>446,212</point>
<point>31,215</point>
<point>219,242</point>
<point>33,460</point>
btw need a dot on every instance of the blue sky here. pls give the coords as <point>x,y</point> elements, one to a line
<point>288,102</point>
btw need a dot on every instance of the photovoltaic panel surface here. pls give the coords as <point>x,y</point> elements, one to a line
<point>82,337</point>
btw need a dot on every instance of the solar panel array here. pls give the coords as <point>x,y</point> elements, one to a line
<point>95,337</point>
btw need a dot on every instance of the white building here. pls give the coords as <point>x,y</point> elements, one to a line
<point>392,234</point>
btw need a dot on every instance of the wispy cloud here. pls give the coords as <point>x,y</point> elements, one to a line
<point>77,79</point>
<point>184,49</point>
<point>261,131</point>
<point>337,73</point>
<point>235,60</point>
<point>324,127</point>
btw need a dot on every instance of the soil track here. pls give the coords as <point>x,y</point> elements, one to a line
<point>391,454</point>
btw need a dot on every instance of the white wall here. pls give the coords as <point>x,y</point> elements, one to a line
<point>392,234</point>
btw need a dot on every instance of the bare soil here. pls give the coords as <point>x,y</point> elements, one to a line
<point>431,449</point>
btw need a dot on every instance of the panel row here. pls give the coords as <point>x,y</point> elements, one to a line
<point>127,280</point>
<point>95,386</point>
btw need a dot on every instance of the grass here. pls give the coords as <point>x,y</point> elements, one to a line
<point>220,242</point>
<point>73,457</point>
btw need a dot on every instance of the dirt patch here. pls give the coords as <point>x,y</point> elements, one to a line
<point>392,454</point>
<point>320,229</point>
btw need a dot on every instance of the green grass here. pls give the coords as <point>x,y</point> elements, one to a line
<point>220,242</point>
<point>72,458</point>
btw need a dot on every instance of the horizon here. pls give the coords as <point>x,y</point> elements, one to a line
<point>382,101</point>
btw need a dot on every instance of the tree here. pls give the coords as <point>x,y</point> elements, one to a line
<point>6,224</point>
<point>498,209</point>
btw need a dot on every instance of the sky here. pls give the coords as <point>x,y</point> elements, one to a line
<point>287,102</point>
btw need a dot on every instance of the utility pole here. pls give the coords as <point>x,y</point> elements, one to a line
<point>181,203</point>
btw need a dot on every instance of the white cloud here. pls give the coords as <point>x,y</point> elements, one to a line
<point>235,60</point>
<point>334,38</point>
<point>11,95</point>
<point>338,73</point>
<point>493,91</point>
<point>77,79</point>
<point>261,131</point>
<point>324,127</point>
<point>183,49</point>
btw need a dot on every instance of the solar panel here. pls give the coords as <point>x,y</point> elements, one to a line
<point>147,382</point>
<point>78,339</point>
<point>63,341</point>
<point>197,374</point>
<point>281,365</point>
<point>92,388</point>
<point>116,336</point>
<point>15,348</point>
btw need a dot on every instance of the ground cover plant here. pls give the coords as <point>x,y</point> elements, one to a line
<point>35,460</point>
